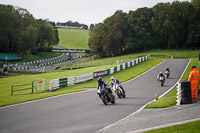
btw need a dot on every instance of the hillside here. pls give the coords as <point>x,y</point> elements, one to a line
<point>73,38</point>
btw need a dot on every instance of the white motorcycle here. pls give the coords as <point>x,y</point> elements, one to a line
<point>118,90</point>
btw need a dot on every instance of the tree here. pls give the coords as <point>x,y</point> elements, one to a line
<point>91,26</point>
<point>28,40</point>
<point>95,40</point>
<point>46,35</point>
<point>140,33</point>
<point>161,23</point>
<point>194,27</point>
<point>114,33</point>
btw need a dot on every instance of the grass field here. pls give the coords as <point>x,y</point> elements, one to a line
<point>5,83</point>
<point>191,127</point>
<point>31,57</point>
<point>73,38</point>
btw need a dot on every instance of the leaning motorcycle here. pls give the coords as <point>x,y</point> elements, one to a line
<point>167,73</point>
<point>162,80</point>
<point>106,96</point>
<point>118,90</point>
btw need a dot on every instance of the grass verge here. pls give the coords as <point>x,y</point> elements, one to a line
<point>19,97</point>
<point>170,99</point>
<point>191,127</point>
<point>5,83</point>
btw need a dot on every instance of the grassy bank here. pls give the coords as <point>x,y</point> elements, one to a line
<point>31,57</point>
<point>73,38</point>
<point>192,127</point>
<point>5,83</point>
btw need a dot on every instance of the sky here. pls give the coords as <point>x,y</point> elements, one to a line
<point>83,11</point>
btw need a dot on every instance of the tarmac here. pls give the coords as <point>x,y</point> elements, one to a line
<point>149,119</point>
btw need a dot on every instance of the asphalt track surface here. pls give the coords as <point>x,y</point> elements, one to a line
<point>84,112</point>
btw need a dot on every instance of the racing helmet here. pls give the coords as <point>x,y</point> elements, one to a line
<point>100,79</point>
<point>112,78</point>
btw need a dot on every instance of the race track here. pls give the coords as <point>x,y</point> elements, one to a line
<point>84,112</point>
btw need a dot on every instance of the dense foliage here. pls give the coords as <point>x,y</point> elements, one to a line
<point>70,24</point>
<point>21,32</point>
<point>173,25</point>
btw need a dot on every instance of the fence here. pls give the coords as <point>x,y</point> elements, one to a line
<point>12,87</point>
<point>64,82</point>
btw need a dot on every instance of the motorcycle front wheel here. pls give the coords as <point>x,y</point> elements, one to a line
<point>119,93</point>
<point>104,99</point>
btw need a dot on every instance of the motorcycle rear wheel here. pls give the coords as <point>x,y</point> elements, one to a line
<point>113,100</point>
<point>124,95</point>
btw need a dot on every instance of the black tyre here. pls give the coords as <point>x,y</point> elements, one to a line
<point>124,95</point>
<point>185,84</point>
<point>119,93</point>
<point>185,89</point>
<point>186,100</point>
<point>104,99</point>
<point>113,100</point>
<point>186,95</point>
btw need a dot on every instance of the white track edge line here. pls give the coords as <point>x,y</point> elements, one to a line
<point>134,113</point>
<point>68,93</point>
<point>44,99</point>
<point>140,109</point>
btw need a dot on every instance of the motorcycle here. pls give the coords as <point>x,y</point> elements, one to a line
<point>106,96</point>
<point>162,80</point>
<point>118,90</point>
<point>167,73</point>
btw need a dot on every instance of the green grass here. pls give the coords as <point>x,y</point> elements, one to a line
<point>73,38</point>
<point>107,61</point>
<point>31,57</point>
<point>5,83</point>
<point>191,127</point>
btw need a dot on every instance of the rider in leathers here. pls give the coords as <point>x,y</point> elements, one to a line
<point>113,81</point>
<point>160,75</point>
<point>102,82</point>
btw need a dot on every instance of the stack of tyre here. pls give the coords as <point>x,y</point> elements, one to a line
<point>186,96</point>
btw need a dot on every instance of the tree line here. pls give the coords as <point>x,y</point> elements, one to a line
<point>173,25</point>
<point>71,24</point>
<point>21,33</point>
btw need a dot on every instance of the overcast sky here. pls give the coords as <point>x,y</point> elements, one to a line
<point>83,11</point>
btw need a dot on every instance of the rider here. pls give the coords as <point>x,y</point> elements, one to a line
<point>160,75</point>
<point>167,70</point>
<point>102,82</point>
<point>113,81</point>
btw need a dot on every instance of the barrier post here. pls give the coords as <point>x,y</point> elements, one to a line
<point>32,86</point>
<point>12,90</point>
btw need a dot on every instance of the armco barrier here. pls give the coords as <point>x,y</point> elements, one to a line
<point>54,84</point>
<point>70,81</point>
<point>63,82</point>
